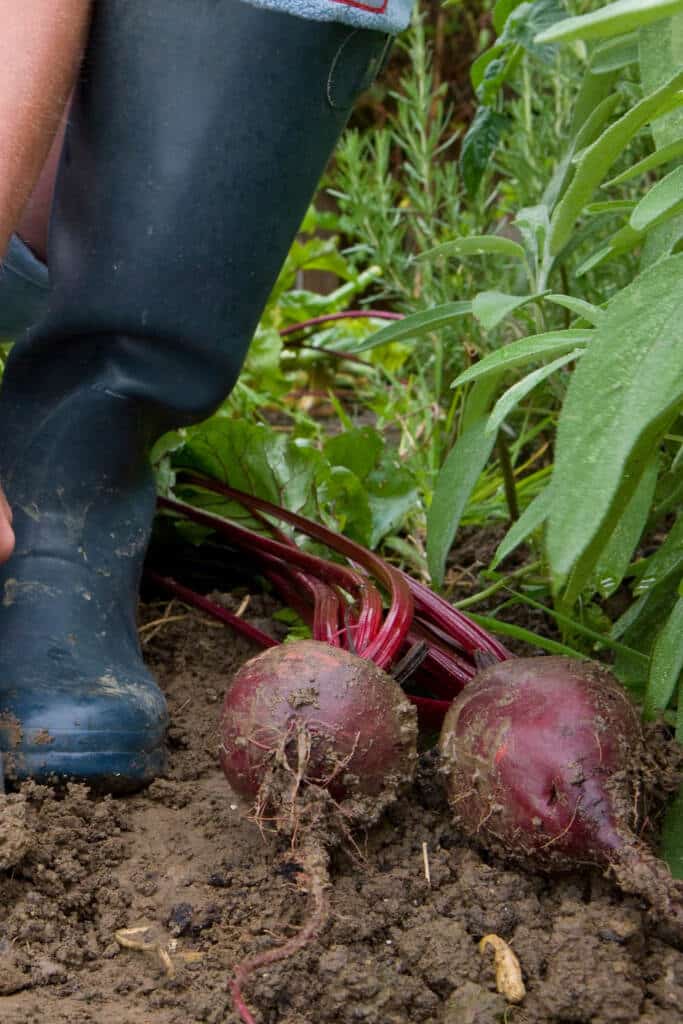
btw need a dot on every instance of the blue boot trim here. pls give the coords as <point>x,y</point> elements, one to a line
<point>24,285</point>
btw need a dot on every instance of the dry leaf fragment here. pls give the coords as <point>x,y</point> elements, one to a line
<point>142,938</point>
<point>508,971</point>
<point>145,939</point>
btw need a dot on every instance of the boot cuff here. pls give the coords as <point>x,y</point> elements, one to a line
<point>382,15</point>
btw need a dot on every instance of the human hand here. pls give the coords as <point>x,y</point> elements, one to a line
<point>6,532</point>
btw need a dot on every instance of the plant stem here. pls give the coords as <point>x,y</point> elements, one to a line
<point>508,476</point>
<point>469,602</point>
<point>216,611</point>
<point>348,314</point>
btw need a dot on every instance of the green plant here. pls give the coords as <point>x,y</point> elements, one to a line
<point>614,369</point>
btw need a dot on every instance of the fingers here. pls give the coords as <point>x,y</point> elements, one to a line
<point>6,532</point>
<point>5,509</point>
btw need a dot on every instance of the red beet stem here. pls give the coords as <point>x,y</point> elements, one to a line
<point>430,713</point>
<point>271,551</point>
<point>456,626</point>
<point>390,638</point>
<point>436,674</point>
<point>369,619</point>
<point>277,555</point>
<point>454,665</point>
<point>328,609</point>
<point>216,611</point>
<point>434,608</point>
<point>292,596</point>
<point>348,314</point>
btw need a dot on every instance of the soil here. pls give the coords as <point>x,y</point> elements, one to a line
<point>183,860</point>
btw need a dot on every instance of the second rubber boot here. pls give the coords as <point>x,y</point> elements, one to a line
<point>195,143</point>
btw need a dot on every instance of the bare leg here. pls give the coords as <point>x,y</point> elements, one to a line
<point>40,46</point>
<point>35,220</point>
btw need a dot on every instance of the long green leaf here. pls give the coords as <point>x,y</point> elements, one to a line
<point>661,156</point>
<point>613,20</point>
<point>578,627</point>
<point>416,325</point>
<point>665,196</point>
<point>531,518</point>
<point>622,241</point>
<point>476,245</point>
<point>619,402</point>
<point>594,123</point>
<point>616,556</point>
<point>667,663</point>
<point>661,48</point>
<point>456,481</point>
<point>587,125</point>
<point>490,307</point>
<point>610,206</point>
<point>593,91</point>
<point>667,560</point>
<point>525,350</point>
<point>525,635</point>
<point>510,398</point>
<point>615,54</point>
<point>601,154</point>
<point>586,310</point>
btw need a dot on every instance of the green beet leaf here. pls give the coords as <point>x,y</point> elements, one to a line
<point>621,399</point>
<point>612,20</point>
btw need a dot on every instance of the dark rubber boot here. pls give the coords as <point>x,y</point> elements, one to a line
<point>198,134</point>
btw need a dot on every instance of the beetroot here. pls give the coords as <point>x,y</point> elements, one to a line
<point>542,759</point>
<point>319,741</point>
<point>330,719</point>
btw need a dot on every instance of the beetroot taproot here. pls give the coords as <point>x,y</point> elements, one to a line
<point>319,741</point>
<point>542,762</point>
<point>322,717</point>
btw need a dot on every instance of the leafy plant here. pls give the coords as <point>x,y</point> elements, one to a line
<point>615,370</point>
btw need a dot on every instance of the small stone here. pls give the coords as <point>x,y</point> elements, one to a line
<point>179,919</point>
<point>218,881</point>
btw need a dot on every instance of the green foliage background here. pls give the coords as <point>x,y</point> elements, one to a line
<point>533,244</point>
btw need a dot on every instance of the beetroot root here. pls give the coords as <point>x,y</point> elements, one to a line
<point>309,715</point>
<point>542,759</point>
<point>320,741</point>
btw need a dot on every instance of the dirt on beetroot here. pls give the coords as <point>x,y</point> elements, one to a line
<point>182,863</point>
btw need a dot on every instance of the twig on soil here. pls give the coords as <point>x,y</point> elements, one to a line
<point>508,971</point>
<point>157,625</point>
<point>425,860</point>
<point>144,939</point>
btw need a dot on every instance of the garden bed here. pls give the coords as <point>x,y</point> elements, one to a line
<point>182,859</point>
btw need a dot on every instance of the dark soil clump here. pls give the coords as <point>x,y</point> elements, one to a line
<point>183,861</point>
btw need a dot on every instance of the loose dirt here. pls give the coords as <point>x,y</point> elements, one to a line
<point>183,860</point>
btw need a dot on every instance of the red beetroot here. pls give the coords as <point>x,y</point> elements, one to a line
<point>328,718</point>
<point>542,757</point>
<point>319,741</point>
